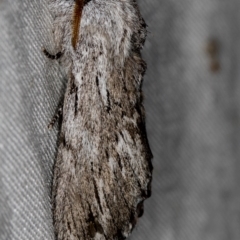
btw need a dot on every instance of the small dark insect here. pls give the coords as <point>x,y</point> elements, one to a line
<point>213,53</point>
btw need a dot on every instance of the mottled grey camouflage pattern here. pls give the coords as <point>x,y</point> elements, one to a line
<point>192,119</point>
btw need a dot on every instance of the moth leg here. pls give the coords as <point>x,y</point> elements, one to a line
<point>52,56</point>
<point>56,116</point>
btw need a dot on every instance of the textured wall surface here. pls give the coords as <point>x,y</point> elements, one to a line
<point>193,120</point>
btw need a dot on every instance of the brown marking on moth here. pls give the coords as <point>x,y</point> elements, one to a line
<point>77,14</point>
<point>212,50</point>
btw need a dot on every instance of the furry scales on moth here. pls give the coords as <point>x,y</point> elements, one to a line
<point>103,169</point>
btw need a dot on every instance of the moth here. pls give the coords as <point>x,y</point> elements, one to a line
<point>103,169</point>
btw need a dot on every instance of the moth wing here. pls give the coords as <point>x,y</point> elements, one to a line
<point>103,168</point>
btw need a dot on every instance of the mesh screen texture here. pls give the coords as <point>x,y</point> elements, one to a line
<point>192,120</point>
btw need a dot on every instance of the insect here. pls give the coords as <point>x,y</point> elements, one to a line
<point>103,169</point>
<point>213,52</point>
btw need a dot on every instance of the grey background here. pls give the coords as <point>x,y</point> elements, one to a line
<point>192,120</point>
